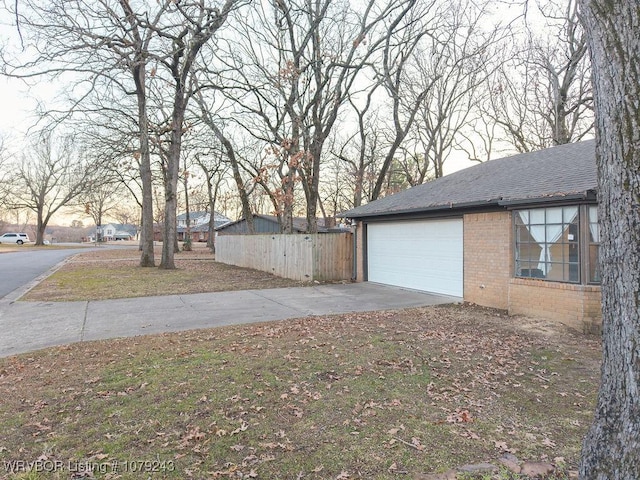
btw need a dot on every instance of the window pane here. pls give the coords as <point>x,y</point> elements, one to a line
<point>528,252</point>
<point>547,244</point>
<point>594,232</point>
<point>570,214</point>
<point>555,233</point>
<point>522,234</point>
<point>594,264</point>
<point>536,216</point>
<point>554,215</point>
<point>574,272</point>
<point>593,214</point>
<point>530,270</point>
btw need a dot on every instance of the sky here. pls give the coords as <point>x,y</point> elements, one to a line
<point>18,101</point>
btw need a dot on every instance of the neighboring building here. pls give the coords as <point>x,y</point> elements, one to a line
<point>518,233</point>
<point>117,231</point>
<point>267,224</point>
<point>199,225</point>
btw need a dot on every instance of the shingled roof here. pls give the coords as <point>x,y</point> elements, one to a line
<point>562,172</point>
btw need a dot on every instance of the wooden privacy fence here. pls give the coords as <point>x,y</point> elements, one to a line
<point>306,257</point>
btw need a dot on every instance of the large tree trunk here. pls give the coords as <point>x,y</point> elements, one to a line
<point>40,228</point>
<point>169,239</point>
<point>170,234</point>
<point>138,70</point>
<point>147,256</point>
<point>611,449</point>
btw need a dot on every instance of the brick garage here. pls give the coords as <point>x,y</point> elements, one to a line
<point>529,235</point>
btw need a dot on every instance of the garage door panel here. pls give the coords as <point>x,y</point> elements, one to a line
<point>422,255</point>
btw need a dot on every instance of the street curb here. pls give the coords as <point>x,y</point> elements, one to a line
<point>19,292</point>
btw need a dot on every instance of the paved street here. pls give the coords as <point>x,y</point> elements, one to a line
<point>27,264</point>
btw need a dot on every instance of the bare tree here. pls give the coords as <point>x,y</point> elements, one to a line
<point>361,151</point>
<point>124,215</point>
<point>108,46</point>
<point>96,47</point>
<point>217,127</point>
<point>290,82</point>
<point>451,67</point>
<point>393,74</point>
<point>215,172</point>
<point>98,199</point>
<point>191,26</point>
<point>611,449</point>
<point>52,175</point>
<point>541,96</point>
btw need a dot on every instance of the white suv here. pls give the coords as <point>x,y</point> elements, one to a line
<point>18,238</point>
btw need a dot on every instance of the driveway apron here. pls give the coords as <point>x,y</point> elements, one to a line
<point>29,326</point>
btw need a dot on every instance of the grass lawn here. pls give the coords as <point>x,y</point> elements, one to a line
<point>376,395</point>
<point>114,273</point>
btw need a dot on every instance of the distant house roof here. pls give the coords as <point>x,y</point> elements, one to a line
<point>199,221</point>
<point>270,224</point>
<point>204,227</point>
<point>562,172</point>
<point>195,216</point>
<point>123,228</point>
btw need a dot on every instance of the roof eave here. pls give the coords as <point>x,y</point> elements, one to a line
<point>434,208</point>
<point>589,195</point>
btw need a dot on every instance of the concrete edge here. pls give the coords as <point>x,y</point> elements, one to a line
<point>19,292</point>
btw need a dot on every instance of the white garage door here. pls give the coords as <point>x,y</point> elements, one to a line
<point>422,255</point>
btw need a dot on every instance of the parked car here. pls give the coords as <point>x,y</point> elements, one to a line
<point>18,238</point>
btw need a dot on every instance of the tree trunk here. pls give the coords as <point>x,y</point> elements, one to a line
<point>186,244</point>
<point>611,449</point>
<point>313,196</point>
<point>40,228</point>
<point>211,227</point>
<point>147,257</point>
<point>169,238</point>
<point>139,73</point>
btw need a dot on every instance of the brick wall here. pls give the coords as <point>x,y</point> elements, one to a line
<point>575,305</point>
<point>487,258</point>
<point>488,254</point>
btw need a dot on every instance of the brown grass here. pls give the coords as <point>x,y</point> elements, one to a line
<point>369,395</point>
<point>114,273</point>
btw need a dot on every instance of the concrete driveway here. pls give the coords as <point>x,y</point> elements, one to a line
<point>28,326</point>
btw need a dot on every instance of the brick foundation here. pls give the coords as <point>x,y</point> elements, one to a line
<point>577,306</point>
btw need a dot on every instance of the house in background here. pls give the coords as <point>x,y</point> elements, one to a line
<point>199,225</point>
<point>116,231</point>
<point>267,224</point>
<point>518,233</point>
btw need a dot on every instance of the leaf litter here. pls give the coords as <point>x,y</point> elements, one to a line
<point>359,395</point>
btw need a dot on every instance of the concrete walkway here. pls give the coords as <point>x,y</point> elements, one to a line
<point>28,326</point>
